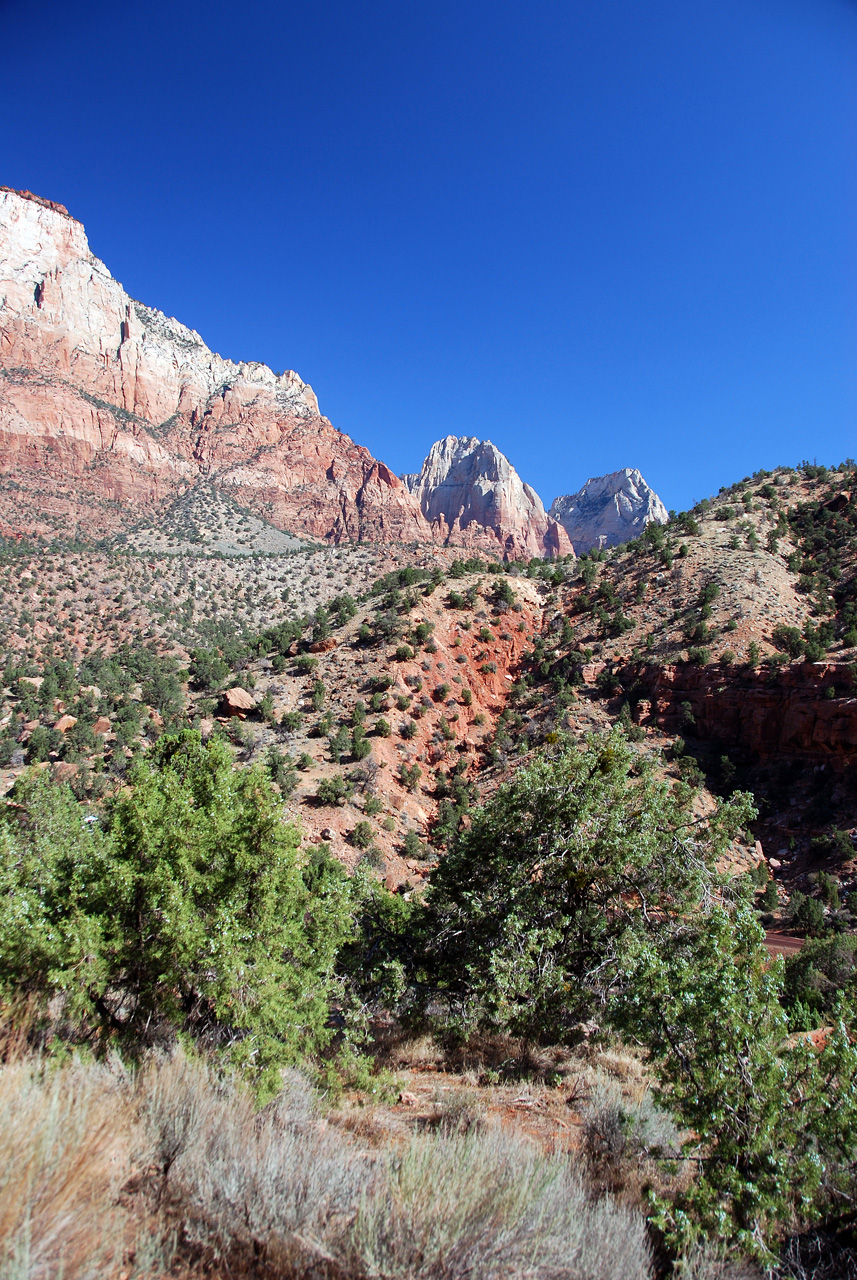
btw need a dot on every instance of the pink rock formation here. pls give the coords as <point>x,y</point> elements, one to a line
<point>473,496</point>
<point>108,408</point>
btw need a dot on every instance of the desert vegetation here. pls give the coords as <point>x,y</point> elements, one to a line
<point>173,1170</point>
<point>585,888</point>
<point>411,921</point>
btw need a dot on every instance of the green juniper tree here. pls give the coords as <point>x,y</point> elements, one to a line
<point>771,1122</point>
<point>191,913</point>
<point>531,909</point>
<point>588,883</point>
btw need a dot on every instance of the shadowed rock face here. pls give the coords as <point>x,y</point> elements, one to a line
<point>471,494</point>
<point>109,409</point>
<point>609,510</point>
<point>786,715</point>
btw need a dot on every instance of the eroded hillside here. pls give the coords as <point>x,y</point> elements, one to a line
<point>387,689</point>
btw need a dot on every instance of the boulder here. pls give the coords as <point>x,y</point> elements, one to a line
<point>236,702</point>
<point>839,501</point>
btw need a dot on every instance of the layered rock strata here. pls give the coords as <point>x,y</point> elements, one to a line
<point>471,495</point>
<point>110,411</point>
<point>788,715</point>
<point>609,510</point>
<point>109,408</point>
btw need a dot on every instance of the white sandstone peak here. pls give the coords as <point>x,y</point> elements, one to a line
<point>466,482</point>
<point>47,270</point>
<point>609,509</point>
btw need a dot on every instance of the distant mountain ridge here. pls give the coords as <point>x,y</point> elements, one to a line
<point>608,510</point>
<point>111,411</point>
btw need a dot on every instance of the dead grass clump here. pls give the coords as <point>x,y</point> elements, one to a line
<point>494,1057</point>
<point>712,1262</point>
<point>239,1184</point>
<point>411,1052</point>
<point>625,1135</point>
<point>283,1193</point>
<point>620,1064</point>
<point>64,1155</point>
<point>456,1111</point>
<point>492,1205</point>
<point>370,1124</point>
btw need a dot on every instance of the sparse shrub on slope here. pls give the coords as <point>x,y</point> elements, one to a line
<point>208,670</point>
<point>824,530</point>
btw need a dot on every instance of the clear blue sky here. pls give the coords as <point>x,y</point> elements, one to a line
<point>601,233</point>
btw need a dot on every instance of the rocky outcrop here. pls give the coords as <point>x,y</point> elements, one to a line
<point>786,715</point>
<point>109,409</point>
<point>609,510</point>
<point>471,495</point>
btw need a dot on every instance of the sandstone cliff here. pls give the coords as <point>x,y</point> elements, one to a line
<point>609,510</point>
<point>110,411</point>
<point>471,494</point>
<point>790,715</point>
<point>109,408</point>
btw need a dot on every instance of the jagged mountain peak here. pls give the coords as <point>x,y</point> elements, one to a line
<point>609,509</point>
<point>467,486</point>
<point>49,272</point>
<point>482,454</point>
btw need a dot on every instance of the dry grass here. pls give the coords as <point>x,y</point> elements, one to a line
<point>625,1138</point>
<point>64,1155</point>
<point>482,1056</point>
<point>176,1173</point>
<point>490,1204</point>
<point>710,1262</point>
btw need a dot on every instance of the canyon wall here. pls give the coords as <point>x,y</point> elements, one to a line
<point>108,408</point>
<point>807,709</point>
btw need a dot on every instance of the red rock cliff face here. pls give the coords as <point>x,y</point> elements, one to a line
<point>108,408</point>
<point>785,714</point>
